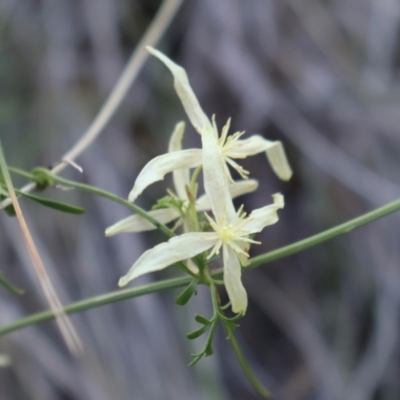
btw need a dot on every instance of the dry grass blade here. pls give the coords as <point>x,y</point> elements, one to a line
<point>64,323</point>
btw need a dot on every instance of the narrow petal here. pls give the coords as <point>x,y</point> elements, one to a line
<point>158,167</point>
<point>165,254</point>
<point>274,152</point>
<point>244,260</point>
<point>136,223</point>
<point>175,143</point>
<point>239,188</point>
<point>216,184</point>
<point>180,176</point>
<point>185,92</point>
<point>233,282</point>
<point>264,216</point>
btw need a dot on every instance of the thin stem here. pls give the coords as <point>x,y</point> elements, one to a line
<point>214,298</point>
<point>174,283</point>
<point>13,289</point>
<point>151,37</point>
<point>117,199</point>
<point>325,235</point>
<point>194,178</point>
<point>20,172</point>
<point>246,367</point>
<point>192,195</point>
<point>216,302</point>
<point>103,193</point>
<point>98,301</point>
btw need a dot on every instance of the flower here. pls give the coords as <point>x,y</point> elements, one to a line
<point>136,223</point>
<point>231,147</point>
<point>230,229</point>
<point>231,237</point>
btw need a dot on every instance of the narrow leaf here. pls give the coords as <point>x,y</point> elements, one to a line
<point>196,358</point>
<point>56,205</point>
<point>198,332</point>
<point>186,295</point>
<point>9,209</point>
<point>202,320</point>
<point>3,195</point>
<point>208,351</point>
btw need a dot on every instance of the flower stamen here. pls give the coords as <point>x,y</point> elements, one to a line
<point>232,234</point>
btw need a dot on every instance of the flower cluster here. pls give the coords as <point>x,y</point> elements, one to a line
<point>228,229</point>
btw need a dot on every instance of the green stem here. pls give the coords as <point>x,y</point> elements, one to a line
<point>193,221</point>
<point>246,368</point>
<point>236,348</point>
<point>174,283</point>
<point>20,172</point>
<point>325,235</point>
<point>100,192</point>
<point>214,298</point>
<point>13,289</point>
<point>107,195</point>
<point>194,178</point>
<point>97,301</point>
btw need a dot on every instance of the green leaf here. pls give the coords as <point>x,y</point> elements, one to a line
<point>187,294</point>
<point>196,358</point>
<point>202,320</point>
<point>53,204</point>
<point>169,202</point>
<point>198,332</point>
<point>208,351</point>
<point>46,202</point>
<point>9,209</point>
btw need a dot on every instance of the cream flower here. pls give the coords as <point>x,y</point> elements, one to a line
<point>231,147</point>
<point>136,223</point>
<point>231,229</point>
<point>231,237</point>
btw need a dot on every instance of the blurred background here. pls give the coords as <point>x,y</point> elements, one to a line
<point>321,76</point>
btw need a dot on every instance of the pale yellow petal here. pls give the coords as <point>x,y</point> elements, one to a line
<point>262,217</point>
<point>158,167</point>
<point>233,282</point>
<point>216,184</point>
<point>244,260</point>
<point>136,223</point>
<point>185,92</point>
<point>274,151</point>
<point>180,176</point>
<point>239,188</point>
<point>165,254</point>
<point>175,143</point>
<point>236,189</point>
